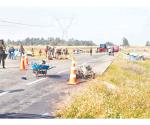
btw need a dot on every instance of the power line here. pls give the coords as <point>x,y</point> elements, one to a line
<point>24,24</point>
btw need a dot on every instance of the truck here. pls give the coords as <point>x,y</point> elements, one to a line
<point>102,48</point>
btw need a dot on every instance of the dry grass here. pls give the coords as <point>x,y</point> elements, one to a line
<point>98,101</point>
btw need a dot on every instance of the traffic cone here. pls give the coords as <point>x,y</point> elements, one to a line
<point>22,64</point>
<point>26,63</point>
<point>73,80</point>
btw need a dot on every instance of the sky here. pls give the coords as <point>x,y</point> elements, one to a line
<point>99,24</point>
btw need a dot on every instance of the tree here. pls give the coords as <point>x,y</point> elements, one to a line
<point>148,43</point>
<point>125,42</point>
<point>109,43</point>
<point>50,41</point>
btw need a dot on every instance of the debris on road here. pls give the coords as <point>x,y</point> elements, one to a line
<point>85,72</point>
<point>133,56</point>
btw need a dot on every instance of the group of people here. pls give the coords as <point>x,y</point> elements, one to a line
<point>12,52</point>
<point>53,52</point>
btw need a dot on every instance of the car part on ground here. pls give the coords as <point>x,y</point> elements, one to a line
<point>85,72</point>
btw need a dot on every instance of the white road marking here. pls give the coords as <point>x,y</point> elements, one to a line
<point>3,93</point>
<point>46,114</point>
<point>35,81</point>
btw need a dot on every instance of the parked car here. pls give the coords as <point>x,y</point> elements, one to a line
<point>29,53</point>
<point>77,51</point>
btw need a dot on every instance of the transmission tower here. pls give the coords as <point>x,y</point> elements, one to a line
<point>64,24</point>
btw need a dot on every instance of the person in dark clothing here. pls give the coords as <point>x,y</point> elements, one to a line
<point>53,50</point>
<point>91,51</point>
<point>11,52</point>
<point>66,52</point>
<point>32,50</point>
<point>22,51</point>
<point>46,50</point>
<point>2,53</point>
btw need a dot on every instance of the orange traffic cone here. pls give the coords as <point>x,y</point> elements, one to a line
<point>26,63</point>
<point>73,80</point>
<point>22,64</point>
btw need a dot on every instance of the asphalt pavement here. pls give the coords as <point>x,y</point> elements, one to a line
<point>39,98</point>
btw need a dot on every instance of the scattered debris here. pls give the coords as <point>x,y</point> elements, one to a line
<point>133,56</point>
<point>85,72</point>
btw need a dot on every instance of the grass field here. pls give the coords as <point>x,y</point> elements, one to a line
<point>123,91</point>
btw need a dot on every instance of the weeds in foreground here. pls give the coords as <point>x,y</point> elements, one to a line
<point>98,101</point>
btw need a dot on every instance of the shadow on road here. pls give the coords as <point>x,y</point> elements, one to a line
<point>16,90</point>
<point>1,91</point>
<point>24,116</point>
<point>12,67</point>
<point>53,76</point>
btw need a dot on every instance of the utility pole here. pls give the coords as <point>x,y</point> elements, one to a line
<point>65,24</point>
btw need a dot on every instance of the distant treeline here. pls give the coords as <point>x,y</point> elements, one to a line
<point>51,41</point>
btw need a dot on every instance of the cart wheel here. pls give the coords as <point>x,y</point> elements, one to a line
<point>45,73</point>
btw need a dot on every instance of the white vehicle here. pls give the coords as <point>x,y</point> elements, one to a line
<point>29,53</point>
<point>77,51</point>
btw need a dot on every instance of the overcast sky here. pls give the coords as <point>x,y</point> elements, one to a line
<point>99,24</point>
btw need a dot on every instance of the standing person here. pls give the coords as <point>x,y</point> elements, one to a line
<point>2,53</point>
<point>53,50</point>
<point>40,52</point>
<point>46,50</point>
<point>11,52</point>
<point>15,53</point>
<point>32,50</point>
<point>66,51</point>
<point>91,51</point>
<point>49,53</point>
<point>109,50</point>
<point>21,50</point>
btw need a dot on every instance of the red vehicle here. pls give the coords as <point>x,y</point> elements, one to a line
<point>102,48</point>
<point>115,48</point>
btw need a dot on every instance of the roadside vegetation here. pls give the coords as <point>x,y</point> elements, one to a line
<point>123,91</point>
<point>51,41</point>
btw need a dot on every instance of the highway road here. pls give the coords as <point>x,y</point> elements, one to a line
<point>39,98</point>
